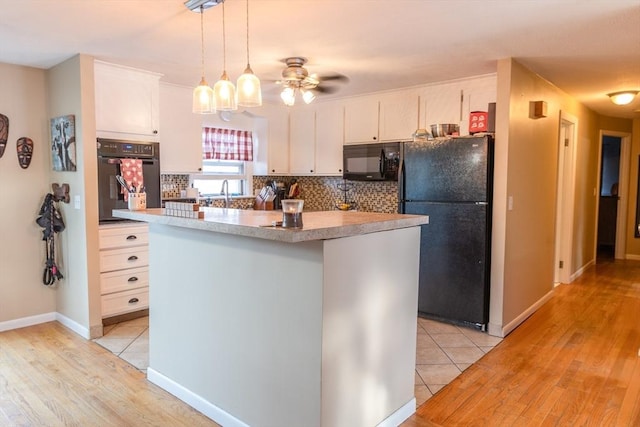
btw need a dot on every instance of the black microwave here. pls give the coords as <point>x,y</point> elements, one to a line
<point>371,162</point>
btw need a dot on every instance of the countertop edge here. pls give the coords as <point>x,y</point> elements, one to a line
<point>375,223</point>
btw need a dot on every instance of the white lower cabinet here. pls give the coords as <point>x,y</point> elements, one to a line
<point>124,268</point>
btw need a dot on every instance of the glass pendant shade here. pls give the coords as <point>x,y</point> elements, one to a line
<point>225,94</point>
<point>249,93</point>
<point>203,101</point>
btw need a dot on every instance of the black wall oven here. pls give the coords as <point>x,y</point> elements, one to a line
<point>371,162</point>
<point>110,153</point>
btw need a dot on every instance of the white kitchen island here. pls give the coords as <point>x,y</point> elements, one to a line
<point>263,326</point>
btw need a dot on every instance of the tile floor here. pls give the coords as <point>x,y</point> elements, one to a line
<point>443,351</point>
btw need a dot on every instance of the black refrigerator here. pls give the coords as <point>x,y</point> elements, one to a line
<point>451,181</point>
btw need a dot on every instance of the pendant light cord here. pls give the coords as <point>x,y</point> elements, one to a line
<point>224,44</point>
<point>248,34</point>
<point>202,38</point>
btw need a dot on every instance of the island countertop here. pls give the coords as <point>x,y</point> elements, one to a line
<point>319,225</point>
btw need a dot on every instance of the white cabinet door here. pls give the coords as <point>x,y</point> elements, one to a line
<point>181,149</point>
<point>361,120</point>
<point>398,115</point>
<point>302,140</point>
<point>127,101</point>
<point>329,138</point>
<point>278,143</point>
<point>441,104</point>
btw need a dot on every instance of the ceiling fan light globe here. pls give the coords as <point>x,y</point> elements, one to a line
<point>288,96</point>
<point>203,100</point>
<point>307,96</point>
<point>248,90</point>
<point>225,94</point>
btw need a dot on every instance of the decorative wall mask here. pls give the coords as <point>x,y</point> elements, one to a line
<point>4,132</point>
<point>25,151</point>
<point>63,143</point>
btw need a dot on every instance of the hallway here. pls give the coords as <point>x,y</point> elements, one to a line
<point>575,362</point>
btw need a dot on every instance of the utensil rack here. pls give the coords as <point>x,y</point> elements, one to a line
<point>347,202</point>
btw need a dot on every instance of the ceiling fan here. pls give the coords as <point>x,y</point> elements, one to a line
<point>296,78</point>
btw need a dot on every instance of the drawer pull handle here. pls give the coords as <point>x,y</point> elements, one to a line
<point>132,237</point>
<point>132,258</point>
<point>133,300</point>
<point>132,279</point>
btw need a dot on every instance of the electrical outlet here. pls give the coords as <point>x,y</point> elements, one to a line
<point>510,203</point>
<point>76,201</point>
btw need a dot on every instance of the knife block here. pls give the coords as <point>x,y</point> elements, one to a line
<point>262,205</point>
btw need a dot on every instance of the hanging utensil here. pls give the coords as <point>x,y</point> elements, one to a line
<point>122,182</point>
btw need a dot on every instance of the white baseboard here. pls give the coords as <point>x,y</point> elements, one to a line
<point>23,322</point>
<point>632,257</point>
<point>579,272</point>
<point>27,321</point>
<point>399,416</point>
<point>523,316</point>
<point>190,398</point>
<point>74,326</point>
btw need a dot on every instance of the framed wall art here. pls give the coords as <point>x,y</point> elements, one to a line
<point>63,143</point>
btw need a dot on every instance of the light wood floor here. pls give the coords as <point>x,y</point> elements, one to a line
<point>573,363</point>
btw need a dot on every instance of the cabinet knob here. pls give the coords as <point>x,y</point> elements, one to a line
<point>155,131</point>
<point>131,237</point>
<point>273,170</point>
<point>340,170</point>
<point>133,300</point>
<point>132,279</point>
<point>311,170</point>
<point>375,137</point>
<point>132,258</point>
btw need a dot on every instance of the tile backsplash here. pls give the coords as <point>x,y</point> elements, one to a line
<point>318,192</point>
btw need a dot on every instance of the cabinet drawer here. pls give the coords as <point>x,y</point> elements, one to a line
<point>123,237</point>
<point>119,259</point>
<point>125,302</point>
<point>124,280</point>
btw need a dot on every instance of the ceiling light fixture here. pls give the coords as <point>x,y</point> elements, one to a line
<point>623,97</point>
<point>224,91</point>
<point>203,102</point>
<point>249,92</point>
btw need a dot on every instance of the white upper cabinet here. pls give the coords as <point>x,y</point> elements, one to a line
<point>181,150</point>
<point>329,138</point>
<point>278,143</point>
<point>441,104</point>
<point>127,102</point>
<point>398,115</point>
<point>361,120</point>
<point>302,140</point>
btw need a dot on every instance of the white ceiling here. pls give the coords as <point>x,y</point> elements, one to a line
<point>588,48</point>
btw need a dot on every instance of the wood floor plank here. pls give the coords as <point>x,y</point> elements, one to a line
<point>573,362</point>
<point>50,376</point>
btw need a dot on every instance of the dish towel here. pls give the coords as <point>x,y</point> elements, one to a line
<point>131,171</point>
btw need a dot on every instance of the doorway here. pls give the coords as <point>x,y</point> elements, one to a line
<point>608,203</point>
<point>612,201</point>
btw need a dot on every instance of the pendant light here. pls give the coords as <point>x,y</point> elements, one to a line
<point>249,92</point>
<point>203,102</point>
<point>224,91</point>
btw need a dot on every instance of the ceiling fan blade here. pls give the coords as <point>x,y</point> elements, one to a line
<point>333,77</point>
<point>325,89</point>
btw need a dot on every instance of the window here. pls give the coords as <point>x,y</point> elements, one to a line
<point>227,154</point>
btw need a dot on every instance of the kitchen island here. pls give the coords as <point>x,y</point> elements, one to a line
<point>255,325</point>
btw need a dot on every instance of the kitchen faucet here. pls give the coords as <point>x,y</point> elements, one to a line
<point>225,191</point>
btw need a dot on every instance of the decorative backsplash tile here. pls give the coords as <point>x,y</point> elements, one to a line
<point>324,192</point>
<point>320,193</point>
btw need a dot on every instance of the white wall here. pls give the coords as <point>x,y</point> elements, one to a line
<point>22,191</point>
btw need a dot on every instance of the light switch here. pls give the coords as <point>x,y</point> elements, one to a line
<point>510,203</point>
<point>76,201</point>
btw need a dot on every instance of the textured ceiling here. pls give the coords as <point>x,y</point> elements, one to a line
<point>587,48</point>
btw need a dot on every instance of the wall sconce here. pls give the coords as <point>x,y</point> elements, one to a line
<point>623,97</point>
